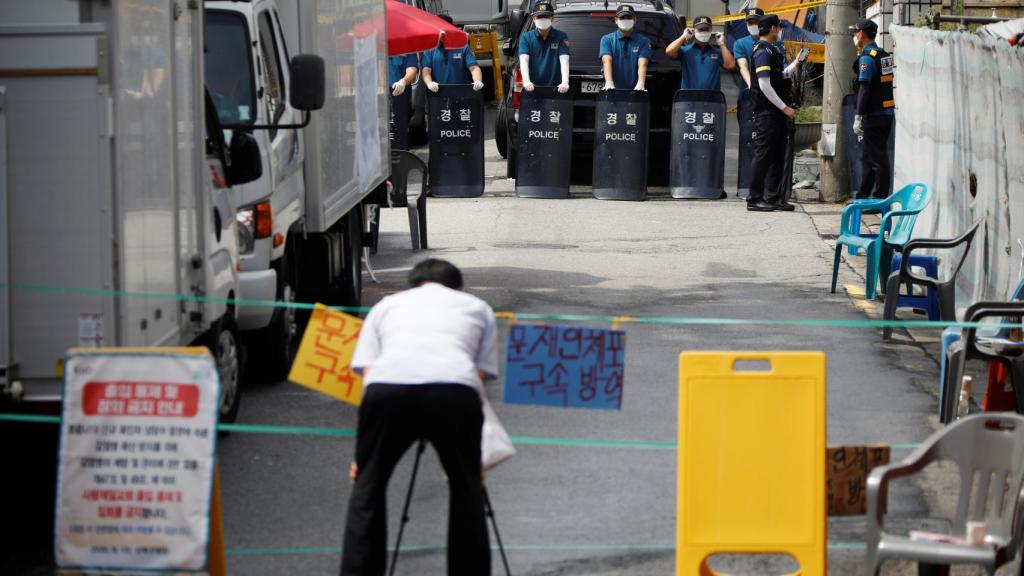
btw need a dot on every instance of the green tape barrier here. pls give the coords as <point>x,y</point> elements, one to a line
<point>532,317</point>
<point>351,433</point>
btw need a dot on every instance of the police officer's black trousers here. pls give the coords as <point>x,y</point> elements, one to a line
<point>875,170</point>
<point>391,419</point>
<point>769,157</point>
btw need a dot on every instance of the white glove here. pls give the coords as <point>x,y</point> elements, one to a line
<point>398,88</point>
<point>687,34</point>
<point>528,86</point>
<point>478,85</point>
<point>720,39</point>
<point>857,128</point>
<point>433,86</point>
<point>609,85</point>
<point>563,88</point>
<point>640,87</point>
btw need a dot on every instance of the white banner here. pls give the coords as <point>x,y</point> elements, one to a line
<point>136,461</point>
<point>960,130</point>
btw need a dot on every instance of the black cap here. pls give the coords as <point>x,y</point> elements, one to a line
<point>625,10</point>
<point>764,25</point>
<point>865,25</point>
<point>754,14</point>
<point>702,23</point>
<point>544,9</point>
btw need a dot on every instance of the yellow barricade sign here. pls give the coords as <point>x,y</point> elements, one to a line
<point>815,54</point>
<point>324,360</point>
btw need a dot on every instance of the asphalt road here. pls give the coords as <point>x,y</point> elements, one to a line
<point>575,510</point>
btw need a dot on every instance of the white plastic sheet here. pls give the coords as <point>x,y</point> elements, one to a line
<point>960,130</point>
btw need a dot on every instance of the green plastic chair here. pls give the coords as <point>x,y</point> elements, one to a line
<point>900,214</point>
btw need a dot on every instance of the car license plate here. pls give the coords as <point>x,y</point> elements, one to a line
<point>590,87</point>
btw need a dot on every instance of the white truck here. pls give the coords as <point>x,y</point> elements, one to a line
<point>302,222</point>
<point>115,190</point>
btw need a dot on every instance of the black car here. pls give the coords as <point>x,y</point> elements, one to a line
<point>586,22</point>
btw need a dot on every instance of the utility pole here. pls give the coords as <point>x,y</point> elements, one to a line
<point>839,55</point>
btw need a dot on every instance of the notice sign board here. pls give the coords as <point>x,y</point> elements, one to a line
<point>324,360</point>
<point>848,471</point>
<point>136,460</point>
<point>566,366</point>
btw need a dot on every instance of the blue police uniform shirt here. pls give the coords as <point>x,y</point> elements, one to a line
<point>866,71</point>
<point>450,66</point>
<point>544,53</point>
<point>701,67</point>
<point>625,51</point>
<point>398,64</point>
<point>744,47</point>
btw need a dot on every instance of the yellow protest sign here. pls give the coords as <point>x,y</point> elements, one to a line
<point>324,360</point>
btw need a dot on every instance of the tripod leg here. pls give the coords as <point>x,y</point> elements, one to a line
<point>420,447</point>
<point>489,511</point>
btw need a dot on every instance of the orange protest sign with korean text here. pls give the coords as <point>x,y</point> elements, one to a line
<point>324,360</point>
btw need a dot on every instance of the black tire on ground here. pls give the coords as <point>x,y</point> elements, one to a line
<point>511,159</point>
<point>273,347</point>
<point>501,129</point>
<point>224,345</point>
<point>352,271</point>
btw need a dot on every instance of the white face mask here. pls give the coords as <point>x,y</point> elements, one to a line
<point>752,29</point>
<point>855,43</point>
<point>703,36</point>
<point>625,25</point>
<point>542,23</point>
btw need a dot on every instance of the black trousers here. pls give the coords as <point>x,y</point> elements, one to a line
<point>769,157</point>
<point>875,170</point>
<point>391,419</point>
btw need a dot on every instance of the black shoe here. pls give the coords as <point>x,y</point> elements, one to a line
<point>760,206</point>
<point>784,207</point>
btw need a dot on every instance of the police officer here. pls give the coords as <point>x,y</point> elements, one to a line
<point>402,71</point>
<point>625,54</point>
<point>544,52</point>
<point>442,66</point>
<point>701,61</point>
<point>874,112</point>
<point>743,47</point>
<point>772,108</point>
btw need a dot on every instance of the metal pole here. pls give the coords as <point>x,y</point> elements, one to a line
<point>839,53</point>
<point>420,447</point>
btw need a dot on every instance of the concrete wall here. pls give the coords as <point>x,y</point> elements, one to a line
<point>960,130</point>
<point>38,12</point>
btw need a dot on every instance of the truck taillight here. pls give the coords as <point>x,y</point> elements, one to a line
<point>517,89</point>
<point>264,220</point>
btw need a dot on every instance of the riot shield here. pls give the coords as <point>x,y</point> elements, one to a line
<point>456,142</point>
<point>745,117</point>
<point>622,119</point>
<point>544,155</point>
<point>853,146</point>
<point>697,167</point>
<point>398,130</point>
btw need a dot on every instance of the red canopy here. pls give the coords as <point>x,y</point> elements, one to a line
<point>413,30</point>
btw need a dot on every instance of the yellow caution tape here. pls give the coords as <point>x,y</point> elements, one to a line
<point>777,10</point>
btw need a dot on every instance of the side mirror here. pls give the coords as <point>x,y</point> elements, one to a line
<point>246,161</point>
<point>307,82</point>
<point>516,22</point>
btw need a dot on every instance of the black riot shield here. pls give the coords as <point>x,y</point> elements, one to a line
<point>697,167</point>
<point>544,155</point>
<point>853,146</point>
<point>622,119</point>
<point>745,117</point>
<point>401,106</point>
<point>456,142</point>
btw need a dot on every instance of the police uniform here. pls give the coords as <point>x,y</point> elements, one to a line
<point>769,123</point>
<point>875,105</point>
<point>701,66</point>
<point>450,66</point>
<point>743,48</point>
<point>397,66</point>
<point>544,52</point>
<point>626,52</point>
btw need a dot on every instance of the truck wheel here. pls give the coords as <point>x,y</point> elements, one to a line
<point>352,271</point>
<point>273,346</point>
<point>511,159</point>
<point>501,129</point>
<point>225,348</point>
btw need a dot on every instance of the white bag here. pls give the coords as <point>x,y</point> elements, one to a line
<point>495,444</point>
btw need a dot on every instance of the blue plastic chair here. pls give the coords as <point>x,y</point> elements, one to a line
<point>929,302</point>
<point>900,215</point>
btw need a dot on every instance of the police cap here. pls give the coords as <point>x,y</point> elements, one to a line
<point>625,10</point>
<point>702,23</point>
<point>764,25</point>
<point>866,25</point>
<point>544,9</point>
<point>754,14</point>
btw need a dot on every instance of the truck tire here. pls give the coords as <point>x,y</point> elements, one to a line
<point>273,347</point>
<point>501,129</point>
<point>224,345</point>
<point>510,161</point>
<point>352,271</point>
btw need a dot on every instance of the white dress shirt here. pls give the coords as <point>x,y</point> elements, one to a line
<point>428,335</point>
